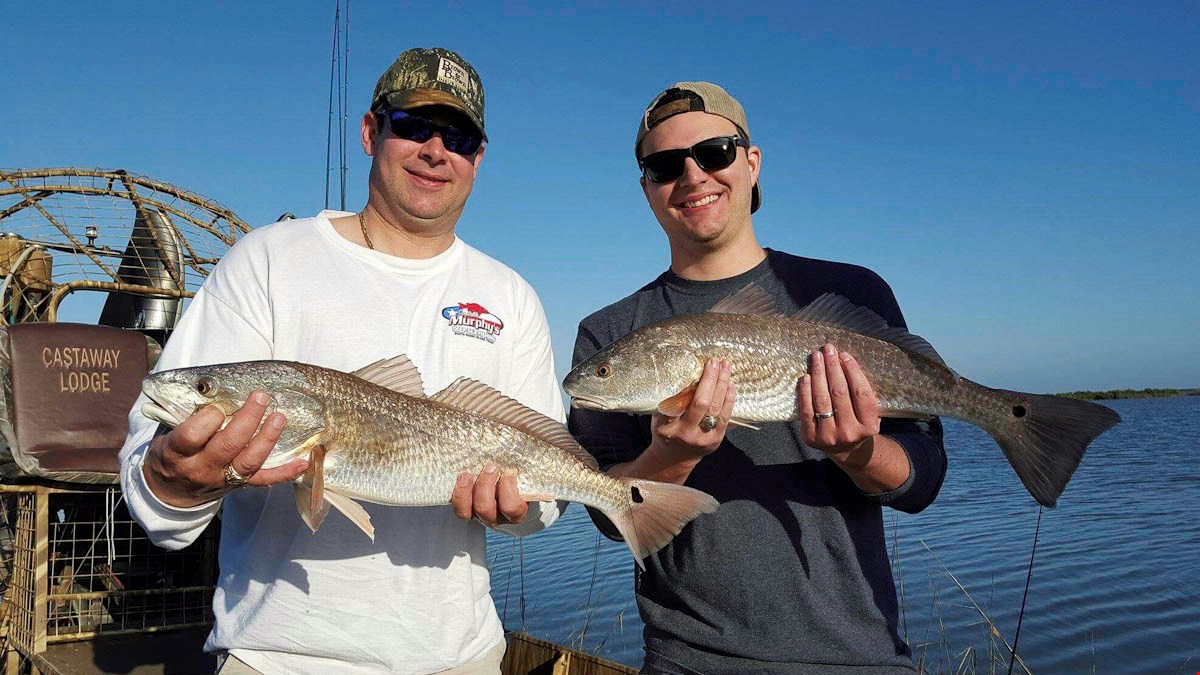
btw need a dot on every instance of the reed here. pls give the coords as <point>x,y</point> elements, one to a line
<point>935,651</point>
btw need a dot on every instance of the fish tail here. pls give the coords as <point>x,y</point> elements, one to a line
<point>1044,438</point>
<point>655,512</point>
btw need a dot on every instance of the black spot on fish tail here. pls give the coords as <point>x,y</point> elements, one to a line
<point>1045,439</point>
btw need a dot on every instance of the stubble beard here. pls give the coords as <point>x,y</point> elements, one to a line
<point>423,211</point>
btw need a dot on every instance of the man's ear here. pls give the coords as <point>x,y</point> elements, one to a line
<point>478,159</point>
<point>754,159</point>
<point>369,130</point>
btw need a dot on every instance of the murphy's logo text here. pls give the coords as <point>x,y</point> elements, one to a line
<point>82,369</point>
<point>473,319</point>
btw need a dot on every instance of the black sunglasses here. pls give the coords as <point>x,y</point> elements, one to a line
<point>713,154</point>
<point>411,127</point>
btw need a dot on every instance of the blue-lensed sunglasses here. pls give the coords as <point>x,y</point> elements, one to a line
<point>412,127</point>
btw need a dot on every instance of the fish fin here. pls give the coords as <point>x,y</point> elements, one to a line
<point>655,513</point>
<point>303,501</point>
<point>310,492</point>
<point>739,423</point>
<point>352,510</point>
<point>476,397</point>
<point>750,299</point>
<point>397,373</point>
<point>675,405</point>
<point>1044,438</point>
<point>316,469</point>
<point>836,310</point>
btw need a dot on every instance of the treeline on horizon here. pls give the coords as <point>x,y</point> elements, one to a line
<point>1129,393</point>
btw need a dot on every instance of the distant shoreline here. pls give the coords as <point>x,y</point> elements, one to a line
<point>1129,393</point>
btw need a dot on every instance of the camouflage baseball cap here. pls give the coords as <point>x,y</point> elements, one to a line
<point>431,77</point>
<point>706,97</point>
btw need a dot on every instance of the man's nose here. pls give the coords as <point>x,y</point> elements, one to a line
<point>692,173</point>
<point>434,149</point>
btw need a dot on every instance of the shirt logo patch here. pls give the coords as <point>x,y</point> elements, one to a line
<point>473,319</point>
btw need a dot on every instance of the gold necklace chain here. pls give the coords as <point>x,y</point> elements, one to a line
<point>362,224</point>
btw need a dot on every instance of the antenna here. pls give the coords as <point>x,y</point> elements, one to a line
<point>339,87</point>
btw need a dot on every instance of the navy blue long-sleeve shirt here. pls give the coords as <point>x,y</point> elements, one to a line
<point>791,573</point>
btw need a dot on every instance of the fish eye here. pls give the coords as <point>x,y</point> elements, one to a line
<point>604,370</point>
<point>206,386</point>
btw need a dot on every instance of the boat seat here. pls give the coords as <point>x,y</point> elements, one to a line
<point>67,390</point>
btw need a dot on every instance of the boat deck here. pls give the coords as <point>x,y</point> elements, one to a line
<point>176,652</point>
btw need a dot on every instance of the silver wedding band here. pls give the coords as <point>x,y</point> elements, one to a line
<point>232,477</point>
<point>708,423</point>
<point>823,416</point>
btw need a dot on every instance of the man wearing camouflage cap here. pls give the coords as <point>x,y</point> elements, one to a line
<point>791,573</point>
<point>343,290</point>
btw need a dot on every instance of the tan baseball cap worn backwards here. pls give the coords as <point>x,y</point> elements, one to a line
<point>706,97</point>
<point>434,76</point>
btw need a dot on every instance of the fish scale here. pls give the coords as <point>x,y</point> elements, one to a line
<point>372,458</point>
<point>772,355</point>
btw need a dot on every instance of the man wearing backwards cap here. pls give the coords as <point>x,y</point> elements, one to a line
<point>343,290</point>
<point>791,573</point>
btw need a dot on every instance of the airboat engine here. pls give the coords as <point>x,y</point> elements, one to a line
<point>153,257</point>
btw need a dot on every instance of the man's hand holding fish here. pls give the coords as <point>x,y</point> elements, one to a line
<point>493,498</point>
<point>839,415</point>
<point>192,463</point>
<point>679,442</point>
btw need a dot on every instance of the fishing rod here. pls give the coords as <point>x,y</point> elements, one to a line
<point>329,121</point>
<point>346,102</point>
<point>1028,576</point>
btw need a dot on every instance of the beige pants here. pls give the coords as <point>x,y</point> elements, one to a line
<point>235,666</point>
<point>488,665</point>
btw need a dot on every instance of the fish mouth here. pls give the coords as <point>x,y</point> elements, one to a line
<point>161,408</point>
<point>158,413</point>
<point>586,403</point>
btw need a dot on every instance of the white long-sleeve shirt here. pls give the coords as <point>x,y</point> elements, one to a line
<point>416,600</point>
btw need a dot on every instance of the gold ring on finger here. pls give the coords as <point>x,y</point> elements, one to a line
<point>708,423</point>
<point>232,477</point>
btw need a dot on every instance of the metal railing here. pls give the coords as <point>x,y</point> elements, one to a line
<point>82,568</point>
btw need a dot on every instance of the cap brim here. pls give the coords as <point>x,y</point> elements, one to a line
<point>415,98</point>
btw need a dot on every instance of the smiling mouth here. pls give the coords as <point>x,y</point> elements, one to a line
<point>703,201</point>
<point>426,178</point>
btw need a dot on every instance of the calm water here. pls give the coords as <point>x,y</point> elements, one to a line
<point>1116,579</point>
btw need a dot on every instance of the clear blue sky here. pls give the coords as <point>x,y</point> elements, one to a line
<point>1025,176</point>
